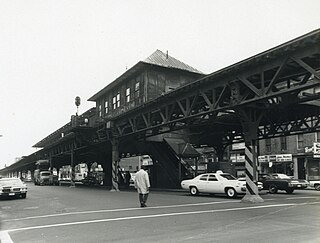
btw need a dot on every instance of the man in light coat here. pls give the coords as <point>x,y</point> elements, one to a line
<point>142,184</point>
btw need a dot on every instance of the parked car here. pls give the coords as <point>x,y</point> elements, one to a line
<point>259,183</point>
<point>275,182</point>
<point>13,187</point>
<point>315,185</point>
<point>215,183</point>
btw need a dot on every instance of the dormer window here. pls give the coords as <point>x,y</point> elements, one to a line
<point>118,100</point>
<point>128,95</point>
<point>137,89</point>
<point>106,107</point>
<point>100,110</point>
<point>114,102</point>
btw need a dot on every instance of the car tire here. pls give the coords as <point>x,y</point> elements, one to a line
<point>231,192</point>
<point>289,191</point>
<point>273,189</point>
<point>194,191</point>
<point>24,195</point>
<point>317,187</point>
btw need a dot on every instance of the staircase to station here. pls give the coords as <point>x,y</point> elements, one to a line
<point>168,165</point>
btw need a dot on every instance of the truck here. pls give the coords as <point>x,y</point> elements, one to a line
<point>82,174</point>
<point>95,176</point>
<point>131,165</point>
<point>43,174</point>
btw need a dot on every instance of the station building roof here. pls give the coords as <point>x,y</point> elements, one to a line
<point>158,58</point>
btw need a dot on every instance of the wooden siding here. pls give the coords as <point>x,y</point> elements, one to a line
<point>153,82</point>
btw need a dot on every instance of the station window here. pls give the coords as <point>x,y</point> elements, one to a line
<point>300,142</point>
<point>118,100</point>
<point>114,102</point>
<point>128,95</point>
<point>106,107</point>
<point>137,89</point>
<point>100,110</point>
<point>268,145</point>
<point>318,137</point>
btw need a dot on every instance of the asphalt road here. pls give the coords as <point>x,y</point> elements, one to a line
<point>83,214</point>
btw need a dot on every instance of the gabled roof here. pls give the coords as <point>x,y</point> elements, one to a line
<point>157,58</point>
<point>164,60</point>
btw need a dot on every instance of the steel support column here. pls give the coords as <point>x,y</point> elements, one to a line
<point>250,119</point>
<point>72,184</point>
<point>115,163</point>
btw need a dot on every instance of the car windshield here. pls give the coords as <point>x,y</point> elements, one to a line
<point>10,182</point>
<point>228,176</point>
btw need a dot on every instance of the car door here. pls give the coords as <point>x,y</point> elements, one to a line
<point>202,183</point>
<point>214,185</point>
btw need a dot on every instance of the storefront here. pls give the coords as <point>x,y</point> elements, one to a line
<point>313,169</point>
<point>276,163</point>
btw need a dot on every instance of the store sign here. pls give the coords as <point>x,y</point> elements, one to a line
<point>316,150</point>
<point>283,157</point>
<point>275,158</point>
<point>237,158</point>
<point>237,146</point>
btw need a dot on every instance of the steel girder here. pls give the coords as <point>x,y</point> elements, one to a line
<point>278,79</point>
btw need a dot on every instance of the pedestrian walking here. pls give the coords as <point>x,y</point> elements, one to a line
<point>142,184</point>
<point>127,178</point>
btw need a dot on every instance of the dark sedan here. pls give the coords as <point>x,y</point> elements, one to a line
<point>275,182</point>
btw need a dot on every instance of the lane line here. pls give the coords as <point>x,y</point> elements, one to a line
<point>158,215</point>
<point>119,210</point>
<point>27,208</point>
<point>291,198</point>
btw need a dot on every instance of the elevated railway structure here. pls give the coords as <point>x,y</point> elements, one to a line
<point>275,93</point>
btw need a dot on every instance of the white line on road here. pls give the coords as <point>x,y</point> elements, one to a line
<point>27,208</point>
<point>119,210</point>
<point>158,215</point>
<point>291,198</point>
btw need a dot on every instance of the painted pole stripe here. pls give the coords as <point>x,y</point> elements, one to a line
<point>115,185</point>
<point>249,170</point>
<point>248,160</point>
<point>252,188</point>
<point>249,157</point>
<point>249,190</point>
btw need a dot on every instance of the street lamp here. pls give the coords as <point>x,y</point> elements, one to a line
<point>77,102</point>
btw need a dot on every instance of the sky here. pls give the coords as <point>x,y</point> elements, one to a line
<point>52,51</point>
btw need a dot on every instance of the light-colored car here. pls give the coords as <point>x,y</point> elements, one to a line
<point>259,183</point>
<point>13,187</point>
<point>315,185</point>
<point>215,183</point>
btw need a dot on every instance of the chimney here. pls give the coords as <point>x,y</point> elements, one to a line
<point>167,56</point>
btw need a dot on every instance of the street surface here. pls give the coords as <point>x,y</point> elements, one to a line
<point>87,214</point>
